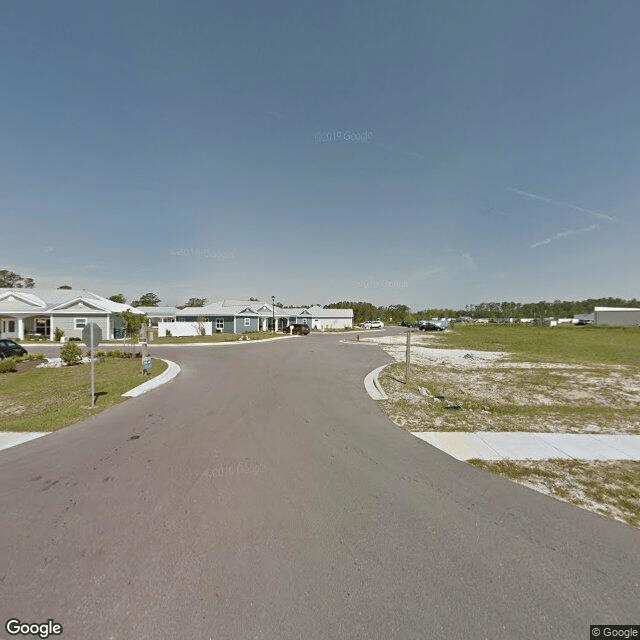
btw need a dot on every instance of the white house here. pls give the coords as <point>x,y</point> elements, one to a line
<point>41,311</point>
<point>331,318</point>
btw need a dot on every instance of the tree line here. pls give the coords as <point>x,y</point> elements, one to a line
<point>543,309</point>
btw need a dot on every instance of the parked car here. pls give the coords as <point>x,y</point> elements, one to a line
<point>10,348</point>
<point>377,324</point>
<point>427,325</point>
<point>366,324</point>
<point>299,329</point>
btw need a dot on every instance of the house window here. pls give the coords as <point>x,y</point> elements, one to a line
<point>12,326</point>
<point>80,323</point>
<point>219,323</point>
<point>304,321</point>
<point>247,322</point>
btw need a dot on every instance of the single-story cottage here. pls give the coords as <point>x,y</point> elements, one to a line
<point>41,311</point>
<point>240,316</point>
<point>159,314</point>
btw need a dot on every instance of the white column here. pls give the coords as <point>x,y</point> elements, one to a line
<point>51,328</point>
<point>108,336</point>
<point>20,328</point>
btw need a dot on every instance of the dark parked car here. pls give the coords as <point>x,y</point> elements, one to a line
<point>300,329</point>
<point>10,348</point>
<point>425,325</point>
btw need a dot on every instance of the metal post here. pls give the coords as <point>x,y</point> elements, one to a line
<point>407,372</point>
<point>273,312</point>
<point>93,382</point>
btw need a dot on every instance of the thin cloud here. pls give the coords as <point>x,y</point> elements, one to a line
<point>563,234</point>
<point>596,214</point>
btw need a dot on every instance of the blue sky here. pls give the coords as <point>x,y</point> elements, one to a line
<point>425,153</point>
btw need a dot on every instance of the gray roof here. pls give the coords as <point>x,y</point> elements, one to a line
<point>319,312</point>
<point>158,311</point>
<point>48,299</point>
<point>240,307</point>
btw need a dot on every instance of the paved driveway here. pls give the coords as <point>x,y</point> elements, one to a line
<point>262,494</point>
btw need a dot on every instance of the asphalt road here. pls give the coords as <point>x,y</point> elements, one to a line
<point>262,494</point>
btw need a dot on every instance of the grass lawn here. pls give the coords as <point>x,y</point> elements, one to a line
<point>609,488</point>
<point>559,379</point>
<point>49,399</point>
<point>565,343</point>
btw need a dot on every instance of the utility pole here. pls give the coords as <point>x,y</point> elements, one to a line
<point>273,313</point>
<point>407,371</point>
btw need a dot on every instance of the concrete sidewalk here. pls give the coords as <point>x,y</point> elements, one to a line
<point>495,445</point>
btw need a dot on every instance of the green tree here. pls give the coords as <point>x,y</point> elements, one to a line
<point>196,302</point>
<point>12,280</point>
<point>118,297</point>
<point>132,324</point>
<point>147,300</point>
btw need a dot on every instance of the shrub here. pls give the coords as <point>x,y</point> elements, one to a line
<point>116,353</point>
<point>58,333</point>
<point>7,365</point>
<point>29,356</point>
<point>168,333</point>
<point>70,353</point>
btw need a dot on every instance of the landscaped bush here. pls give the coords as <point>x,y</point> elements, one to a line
<point>70,353</point>
<point>58,333</point>
<point>7,365</point>
<point>30,356</point>
<point>116,353</point>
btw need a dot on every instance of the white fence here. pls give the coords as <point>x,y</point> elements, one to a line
<point>184,328</point>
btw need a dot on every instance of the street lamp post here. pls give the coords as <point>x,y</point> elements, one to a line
<point>273,313</point>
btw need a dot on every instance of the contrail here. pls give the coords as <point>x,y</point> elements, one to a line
<point>602,216</point>
<point>562,234</point>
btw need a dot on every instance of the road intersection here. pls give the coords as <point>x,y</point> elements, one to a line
<point>263,494</point>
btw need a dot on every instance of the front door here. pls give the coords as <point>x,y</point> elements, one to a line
<point>8,328</point>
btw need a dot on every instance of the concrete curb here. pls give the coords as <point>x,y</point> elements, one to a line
<point>218,344</point>
<point>372,384</point>
<point>12,438</point>
<point>171,372</point>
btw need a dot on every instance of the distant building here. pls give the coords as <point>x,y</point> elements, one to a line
<point>584,318</point>
<point>331,318</point>
<point>239,316</point>
<point>617,316</point>
<point>159,314</point>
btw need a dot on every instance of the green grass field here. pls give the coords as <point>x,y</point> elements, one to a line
<point>49,399</point>
<point>565,344</point>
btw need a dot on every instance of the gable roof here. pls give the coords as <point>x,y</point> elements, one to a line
<point>320,312</point>
<point>56,299</point>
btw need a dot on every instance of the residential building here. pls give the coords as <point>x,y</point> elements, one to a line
<point>240,316</point>
<point>40,311</point>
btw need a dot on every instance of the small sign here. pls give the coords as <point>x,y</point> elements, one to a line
<point>92,338</point>
<point>146,363</point>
